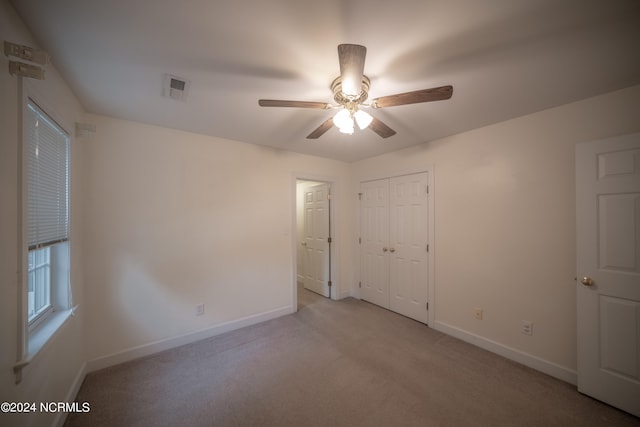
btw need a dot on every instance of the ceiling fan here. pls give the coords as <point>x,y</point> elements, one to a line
<point>351,90</point>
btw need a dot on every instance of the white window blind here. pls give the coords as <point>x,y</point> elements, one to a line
<point>48,180</point>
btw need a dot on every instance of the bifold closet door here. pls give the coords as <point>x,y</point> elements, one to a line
<point>408,266</point>
<point>393,244</point>
<point>374,278</point>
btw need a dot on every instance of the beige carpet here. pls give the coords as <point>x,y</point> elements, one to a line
<point>334,363</point>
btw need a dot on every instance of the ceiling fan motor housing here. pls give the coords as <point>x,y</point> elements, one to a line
<point>343,99</point>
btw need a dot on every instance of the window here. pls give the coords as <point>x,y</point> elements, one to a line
<point>47,147</point>
<point>39,298</point>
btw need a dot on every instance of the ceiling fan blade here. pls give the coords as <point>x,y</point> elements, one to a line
<point>351,57</point>
<point>424,95</point>
<point>381,129</point>
<point>320,130</point>
<point>295,104</point>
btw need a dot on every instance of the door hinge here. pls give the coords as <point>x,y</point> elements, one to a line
<point>427,248</point>
<point>329,240</point>
<point>359,240</point>
<point>359,284</point>
<point>330,283</point>
<point>427,305</point>
<point>359,196</point>
<point>427,189</point>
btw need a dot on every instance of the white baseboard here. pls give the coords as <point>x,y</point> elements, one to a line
<point>61,417</point>
<point>534,362</point>
<point>344,294</point>
<point>169,343</point>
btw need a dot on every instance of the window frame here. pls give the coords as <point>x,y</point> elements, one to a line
<point>57,282</point>
<point>32,338</point>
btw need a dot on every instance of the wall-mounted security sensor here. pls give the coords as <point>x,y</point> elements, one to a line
<point>26,70</point>
<point>27,53</point>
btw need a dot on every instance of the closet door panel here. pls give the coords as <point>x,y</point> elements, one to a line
<point>408,237</point>
<point>374,263</point>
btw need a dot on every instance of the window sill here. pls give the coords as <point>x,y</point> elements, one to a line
<point>39,338</point>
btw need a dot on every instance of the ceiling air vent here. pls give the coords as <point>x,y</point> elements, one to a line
<point>175,87</point>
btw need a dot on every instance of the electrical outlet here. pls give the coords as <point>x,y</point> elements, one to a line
<point>526,327</point>
<point>477,312</point>
<point>199,309</point>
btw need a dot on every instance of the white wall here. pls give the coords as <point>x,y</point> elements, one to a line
<point>54,373</point>
<point>176,219</point>
<point>505,225</point>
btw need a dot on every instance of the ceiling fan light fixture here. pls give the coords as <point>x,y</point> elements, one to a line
<point>343,120</point>
<point>363,119</point>
<point>348,129</point>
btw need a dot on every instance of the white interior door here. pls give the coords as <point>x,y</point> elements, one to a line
<point>374,241</point>
<point>408,269</point>
<point>608,264</point>
<point>316,238</point>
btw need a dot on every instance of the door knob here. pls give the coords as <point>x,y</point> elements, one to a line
<point>392,250</point>
<point>587,281</point>
<point>304,243</point>
<point>384,249</point>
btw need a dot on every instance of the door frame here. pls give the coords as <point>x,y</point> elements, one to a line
<point>431,239</point>
<point>334,247</point>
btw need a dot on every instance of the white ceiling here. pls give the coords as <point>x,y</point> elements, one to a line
<point>504,58</point>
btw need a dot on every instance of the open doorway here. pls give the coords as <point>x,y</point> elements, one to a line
<point>313,237</point>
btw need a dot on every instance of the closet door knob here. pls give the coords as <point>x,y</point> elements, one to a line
<point>392,250</point>
<point>587,281</point>
<point>384,249</point>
